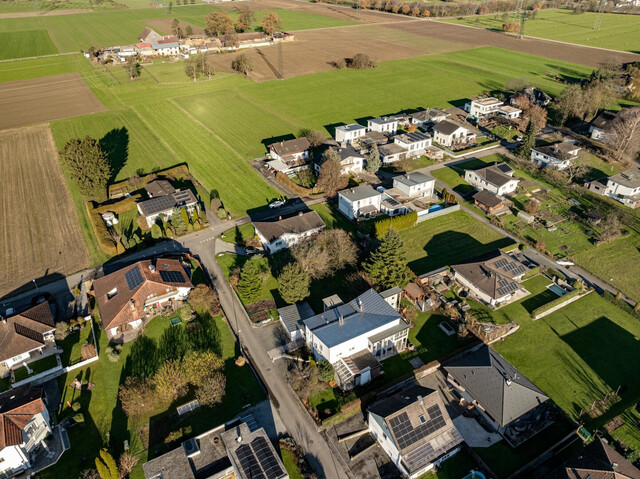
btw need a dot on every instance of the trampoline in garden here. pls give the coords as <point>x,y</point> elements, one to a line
<point>175,321</point>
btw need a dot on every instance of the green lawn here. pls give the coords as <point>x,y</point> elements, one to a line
<point>629,433</point>
<point>453,178</point>
<point>105,421</point>
<point>36,367</point>
<point>71,346</point>
<point>447,240</point>
<point>578,354</point>
<point>290,464</point>
<point>455,467</point>
<point>25,44</point>
<point>333,218</point>
<point>617,32</point>
<point>239,235</point>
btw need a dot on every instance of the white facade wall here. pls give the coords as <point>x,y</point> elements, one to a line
<point>414,149</point>
<point>618,191</point>
<point>480,183</point>
<point>346,137</point>
<point>421,190</point>
<point>380,433</point>
<point>304,155</point>
<point>351,209</point>
<point>390,126</point>
<point>479,110</point>
<point>548,161</point>
<point>12,459</point>
<point>16,458</point>
<point>285,241</point>
<point>351,165</point>
<point>458,136</point>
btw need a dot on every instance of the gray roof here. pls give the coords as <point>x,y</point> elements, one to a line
<point>359,193</point>
<point>391,292</point>
<point>499,388</point>
<point>498,174</point>
<point>167,202</point>
<point>383,120</point>
<point>391,149</point>
<point>487,198</point>
<point>604,119</point>
<point>348,152</point>
<point>430,114</point>
<point>293,315</point>
<point>598,460</point>
<point>289,147</point>
<point>160,46</point>
<point>414,178</point>
<point>447,127</point>
<point>413,137</point>
<point>388,332</point>
<point>629,178</point>
<point>253,454</point>
<point>560,150</point>
<point>367,312</point>
<point>296,223</point>
<point>351,127</point>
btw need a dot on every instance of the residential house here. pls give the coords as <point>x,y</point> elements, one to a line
<point>392,152</point>
<point>252,454</point>
<point>492,278</point>
<point>415,430</point>
<point>415,143</point>
<point>158,188</point>
<point>600,125</point>
<point>149,35</point>
<point>598,460</point>
<point>497,179</point>
<point>24,425</point>
<point>392,296</point>
<point>623,187</point>
<point>167,46</point>
<point>351,160</point>
<point>557,155</point>
<point>126,51</point>
<point>144,49</point>
<point>163,206</point>
<point>128,296</point>
<point>485,107</point>
<point>24,337</point>
<point>415,184</point>
<point>504,397</point>
<point>361,201</point>
<point>283,232</point>
<point>384,124</point>
<point>346,134</point>
<point>535,96</point>
<point>290,156</point>
<point>355,336</point>
<point>488,202</point>
<point>427,118</point>
<point>292,318</point>
<point>452,134</point>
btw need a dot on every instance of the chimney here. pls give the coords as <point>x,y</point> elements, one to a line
<point>239,439</point>
<point>341,319</point>
<point>360,305</point>
<point>280,217</point>
<point>300,213</point>
<point>420,400</point>
<point>4,320</point>
<point>132,303</point>
<point>614,465</point>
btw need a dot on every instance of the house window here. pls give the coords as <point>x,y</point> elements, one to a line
<point>422,419</point>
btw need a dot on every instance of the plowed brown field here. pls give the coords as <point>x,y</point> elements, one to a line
<point>39,233</point>
<point>37,100</point>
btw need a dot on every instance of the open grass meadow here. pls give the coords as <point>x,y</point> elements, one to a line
<point>29,43</point>
<point>70,33</point>
<point>617,32</point>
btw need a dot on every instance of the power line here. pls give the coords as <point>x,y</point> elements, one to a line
<point>598,21</point>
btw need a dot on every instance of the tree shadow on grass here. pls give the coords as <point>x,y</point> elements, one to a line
<point>116,146</point>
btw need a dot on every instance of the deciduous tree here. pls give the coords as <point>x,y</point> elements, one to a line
<point>623,135</point>
<point>191,68</point>
<point>137,397</point>
<point>132,67</point>
<point>200,365</point>
<point>315,137</point>
<point>271,23</point>
<point>212,390</point>
<point>204,299</point>
<point>88,166</point>
<point>329,177</point>
<point>175,27</point>
<point>217,23</point>
<point>189,31</point>
<point>387,264</point>
<point>373,162</point>
<point>246,17</point>
<point>250,284</point>
<point>325,370</point>
<point>231,37</point>
<point>293,283</point>
<point>362,61</point>
<point>126,463</point>
<point>242,64</point>
<point>170,382</point>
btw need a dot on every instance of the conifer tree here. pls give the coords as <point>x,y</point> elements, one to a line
<point>387,265</point>
<point>293,283</point>
<point>249,284</point>
<point>373,163</point>
<point>528,142</point>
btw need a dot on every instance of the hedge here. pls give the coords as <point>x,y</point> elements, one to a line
<point>556,302</point>
<point>119,206</point>
<point>101,231</point>
<point>287,182</point>
<point>531,273</point>
<point>621,303</point>
<point>511,247</point>
<point>398,223</point>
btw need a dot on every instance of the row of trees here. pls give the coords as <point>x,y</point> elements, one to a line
<point>220,23</point>
<point>199,66</point>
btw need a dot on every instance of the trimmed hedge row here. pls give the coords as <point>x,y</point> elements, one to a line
<point>556,302</point>
<point>287,182</point>
<point>621,303</point>
<point>119,206</point>
<point>100,229</point>
<point>531,273</point>
<point>398,223</point>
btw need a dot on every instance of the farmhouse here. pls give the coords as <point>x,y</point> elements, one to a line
<point>415,184</point>
<point>292,318</point>
<point>414,429</point>
<point>497,179</point>
<point>600,124</point>
<point>507,401</point>
<point>346,134</point>
<point>623,187</point>
<point>557,155</point>
<point>149,35</point>
<point>427,118</point>
<point>355,336</point>
<point>493,278</point>
<point>384,124</point>
<point>24,425</point>
<point>485,107</point>
<point>132,295</point>
<point>144,49</point>
<point>168,46</point>
<point>281,233</point>
<point>26,337</point>
<point>163,206</point>
<point>361,201</point>
<point>244,40</point>
<point>450,133</point>
<point>415,143</point>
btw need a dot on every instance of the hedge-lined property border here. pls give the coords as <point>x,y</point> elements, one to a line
<point>288,183</point>
<point>567,298</point>
<point>398,223</point>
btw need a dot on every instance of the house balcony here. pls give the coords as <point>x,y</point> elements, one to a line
<point>49,348</point>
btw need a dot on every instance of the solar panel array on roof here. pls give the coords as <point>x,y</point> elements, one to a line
<point>258,461</point>
<point>134,278</point>
<point>249,462</point>
<point>505,286</point>
<point>501,263</point>
<point>182,196</point>
<point>172,276</point>
<point>406,434</point>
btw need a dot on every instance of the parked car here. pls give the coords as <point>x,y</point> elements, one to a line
<point>251,250</point>
<point>276,204</point>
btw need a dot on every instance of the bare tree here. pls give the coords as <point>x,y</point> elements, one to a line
<point>231,37</point>
<point>126,463</point>
<point>570,102</point>
<point>623,135</point>
<point>217,23</point>
<point>329,177</point>
<point>577,168</point>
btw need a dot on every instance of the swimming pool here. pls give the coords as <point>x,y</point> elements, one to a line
<point>557,289</point>
<point>475,475</point>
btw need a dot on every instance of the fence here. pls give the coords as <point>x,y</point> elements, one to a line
<point>425,215</point>
<point>464,153</point>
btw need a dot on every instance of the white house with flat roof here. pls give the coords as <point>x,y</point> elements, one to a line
<point>346,134</point>
<point>415,143</point>
<point>361,201</point>
<point>485,107</point>
<point>415,184</point>
<point>384,124</point>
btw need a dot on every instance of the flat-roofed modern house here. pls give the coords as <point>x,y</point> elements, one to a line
<point>25,336</point>
<point>623,187</point>
<point>346,134</point>
<point>361,201</point>
<point>485,107</point>
<point>452,134</point>
<point>415,143</point>
<point>355,336</point>
<point>557,155</point>
<point>506,399</point>
<point>392,152</point>
<point>162,206</point>
<point>132,295</point>
<point>282,232</point>
<point>415,184</point>
<point>492,278</point>
<point>497,178</point>
<point>24,425</point>
<point>384,124</point>
<point>415,430</point>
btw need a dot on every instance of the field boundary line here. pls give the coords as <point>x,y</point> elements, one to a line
<point>38,56</point>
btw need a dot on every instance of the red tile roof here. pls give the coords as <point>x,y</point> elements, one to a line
<point>24,332</point>
<point>15,414</point>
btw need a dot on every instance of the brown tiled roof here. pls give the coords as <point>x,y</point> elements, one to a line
<point>289,147</point>
<point>159,188</point>
<point>598,460</point>
<point>128,303</point>
<point>17,408</point>
<point>493,273</point>
<point>24,332</point>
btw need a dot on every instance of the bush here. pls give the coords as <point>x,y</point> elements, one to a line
<point>79,418</point>
<point>325,370</point>
<point>62,331</point>
<point>296,188</point>
<point>76,406</point>
<point>222,214</point>
<point>398,223</point>
<point>362,61</point>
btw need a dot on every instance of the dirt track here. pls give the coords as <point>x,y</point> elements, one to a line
<point>40,232</point>
<point>50,13</point>
<point>38,100</point>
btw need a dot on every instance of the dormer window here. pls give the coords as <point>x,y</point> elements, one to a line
<point>112,293</point>
<point>422,419</point>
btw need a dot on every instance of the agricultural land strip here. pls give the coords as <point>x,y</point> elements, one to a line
<point>30,43</point>
<point>40,233</point>
<point>43,99</point>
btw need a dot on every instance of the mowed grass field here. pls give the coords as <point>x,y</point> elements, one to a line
<point>449,239</point>
<point>617,32</point>
<point>70,33</point>
<point>25,44</point>
<point>40,231</point>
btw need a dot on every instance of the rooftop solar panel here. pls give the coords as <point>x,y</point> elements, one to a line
<point>172,276</point>
<point>249,463</point>
<point>266,458</point>
<point>134,278</point>
<point>406,434</point>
